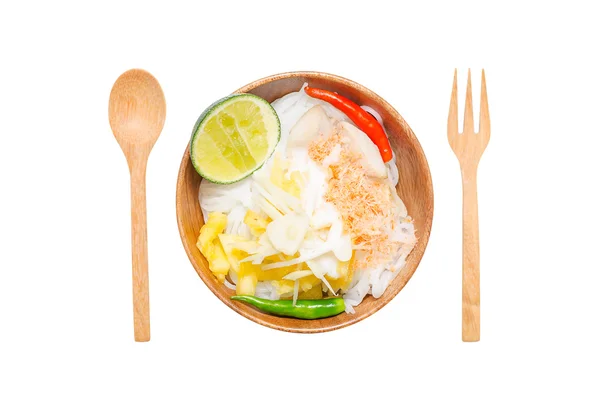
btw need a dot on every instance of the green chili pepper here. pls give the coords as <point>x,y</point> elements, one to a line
<point>308,309</point>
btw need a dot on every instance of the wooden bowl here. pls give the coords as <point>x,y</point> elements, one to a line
<point>415,189</point>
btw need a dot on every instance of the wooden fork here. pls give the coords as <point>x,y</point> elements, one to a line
<point>468,147</point>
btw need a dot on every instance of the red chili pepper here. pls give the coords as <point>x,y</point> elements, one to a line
<point>363,119</point>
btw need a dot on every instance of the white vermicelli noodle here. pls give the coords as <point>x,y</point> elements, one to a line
<point>392,170</point>
<point>222,198</point>
<point>266,290</point>
<point>373,113</point>
<point>229,285</point>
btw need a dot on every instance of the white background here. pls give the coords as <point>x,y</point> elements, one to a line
<point>65,273</point>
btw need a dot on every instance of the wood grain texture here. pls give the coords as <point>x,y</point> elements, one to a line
<point>415,188</point>
<point>468,147</point>
<point>137,112</point>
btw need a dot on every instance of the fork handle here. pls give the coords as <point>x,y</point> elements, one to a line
<point>470,273</point>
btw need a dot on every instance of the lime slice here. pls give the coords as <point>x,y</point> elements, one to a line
<point>234,137</point>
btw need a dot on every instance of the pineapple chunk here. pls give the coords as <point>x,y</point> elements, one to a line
<point>294,185</point>
<point>210,246</point>
<point>308,283</point>
<point>246,285</point>
<point>215,224</point>
<point>278,170</point>
<point>283,287</point>
<point>315,292</point>
<point>247,279</point>
<point>220,277</point>
<point>275,274</point>
<point>218,263</point>
<point>234,256</point>
<point>346,271</point>
<point>291,185</point>
<point>286,287</point>
<point>256,223</point>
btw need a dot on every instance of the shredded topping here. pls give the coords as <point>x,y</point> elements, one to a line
<point>320,148</point>
<point>365,203</point>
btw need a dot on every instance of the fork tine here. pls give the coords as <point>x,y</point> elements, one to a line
<point>468,122</point>
<point>453,113</point>
<point>484,113</point>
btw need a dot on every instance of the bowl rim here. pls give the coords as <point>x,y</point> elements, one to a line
<point>383,300</point>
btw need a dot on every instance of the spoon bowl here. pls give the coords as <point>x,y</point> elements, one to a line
<point>136,109</point>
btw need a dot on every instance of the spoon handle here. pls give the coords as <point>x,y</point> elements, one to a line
<point>470,276</point>
<point>139,251</point>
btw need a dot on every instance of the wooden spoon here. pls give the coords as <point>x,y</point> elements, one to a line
<point>136,112</point>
